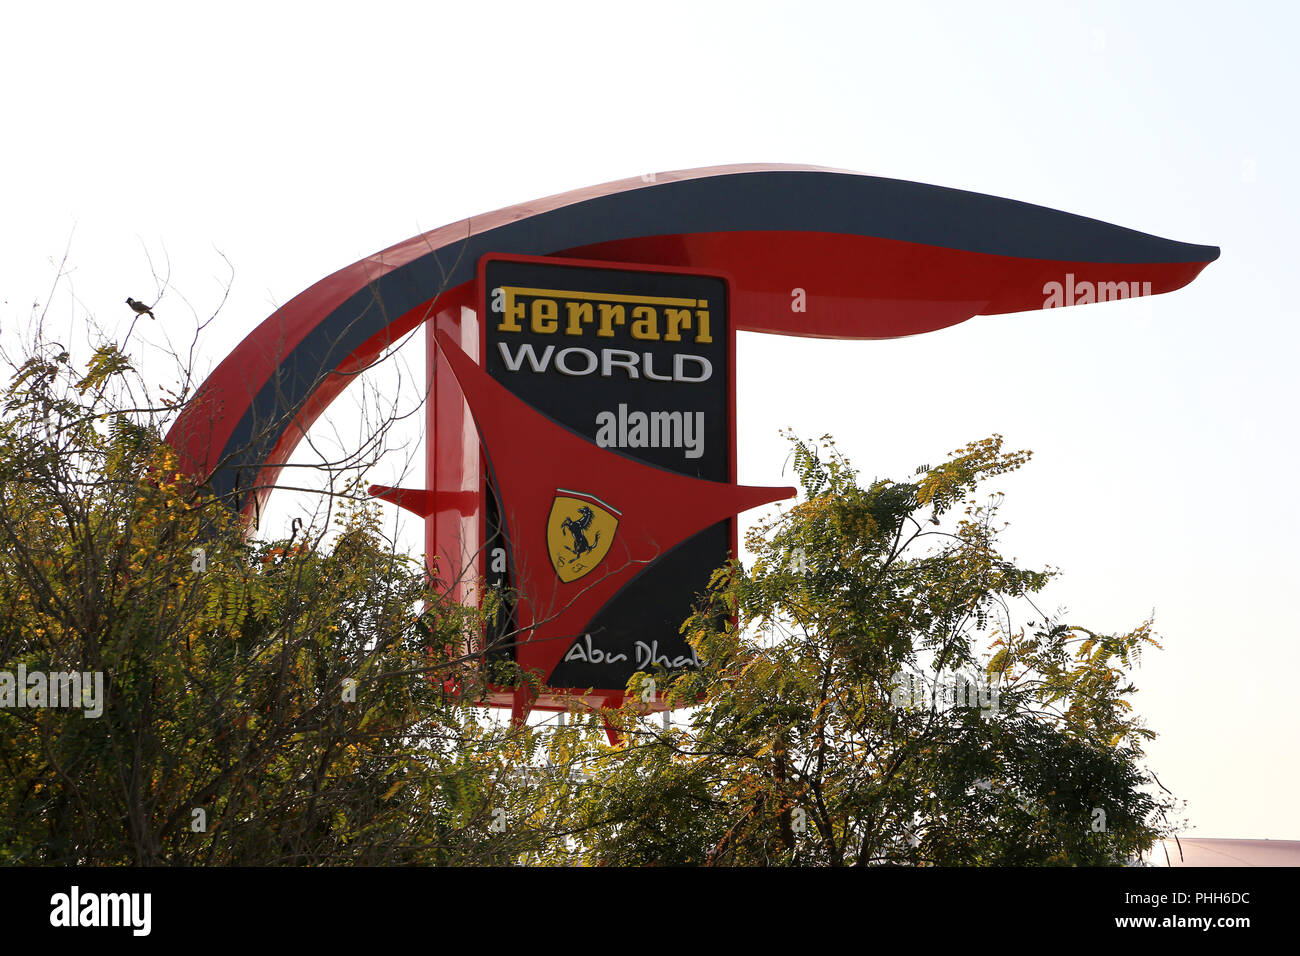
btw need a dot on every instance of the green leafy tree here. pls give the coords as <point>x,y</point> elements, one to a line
<point>868,698</point>
<point>878,687</point>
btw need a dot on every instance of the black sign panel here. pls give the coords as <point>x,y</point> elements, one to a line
<point>639,363</point>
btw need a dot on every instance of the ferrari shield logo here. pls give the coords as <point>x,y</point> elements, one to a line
<point>579,533</point>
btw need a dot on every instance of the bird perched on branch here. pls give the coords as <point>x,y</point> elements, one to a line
<point>139,307</point>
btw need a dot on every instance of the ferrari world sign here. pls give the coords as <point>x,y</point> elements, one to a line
<point>581,410</point>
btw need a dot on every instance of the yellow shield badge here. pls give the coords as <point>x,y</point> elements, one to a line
<point>579,533</point>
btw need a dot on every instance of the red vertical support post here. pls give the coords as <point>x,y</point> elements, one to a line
<point>521,705</point>
<point>453,530</point>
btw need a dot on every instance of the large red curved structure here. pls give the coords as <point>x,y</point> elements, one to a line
<point>870,258</point>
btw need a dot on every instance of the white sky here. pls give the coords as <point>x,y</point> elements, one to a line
<point>297,138</point>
